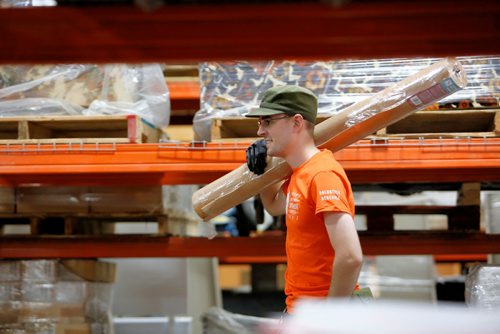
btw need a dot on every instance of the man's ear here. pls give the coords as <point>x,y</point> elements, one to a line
<point>298,120</point>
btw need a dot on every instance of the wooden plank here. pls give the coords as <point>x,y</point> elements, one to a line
<point>76,129</point>
<point>469,194</point>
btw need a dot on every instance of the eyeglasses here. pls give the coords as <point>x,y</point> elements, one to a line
<point>266,122</point>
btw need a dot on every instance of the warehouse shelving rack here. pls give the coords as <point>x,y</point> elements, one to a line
<point>194,33</point>
<point>367,161</point>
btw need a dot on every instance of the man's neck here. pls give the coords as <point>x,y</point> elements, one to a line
<point>301,155</point>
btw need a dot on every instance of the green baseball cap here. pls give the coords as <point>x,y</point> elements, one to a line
<point>289,100</point>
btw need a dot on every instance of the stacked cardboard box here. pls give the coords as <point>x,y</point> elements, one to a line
<point>56,297</point>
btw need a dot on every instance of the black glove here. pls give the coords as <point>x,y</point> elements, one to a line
<point>256,157</point>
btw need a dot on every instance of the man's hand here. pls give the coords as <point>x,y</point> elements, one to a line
<point>256,157</point>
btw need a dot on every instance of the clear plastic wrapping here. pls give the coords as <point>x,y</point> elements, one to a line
<point>10,271</point>
<point>178,206</point>
<point>233,88</point>
<point>482,287</point>
<point>38,271</point>
<point>16,3</point>
<point>85,89</point>
<point>217,321</point>
<point>492,213</point>
<point>400,277</point>
<point>36,298</point>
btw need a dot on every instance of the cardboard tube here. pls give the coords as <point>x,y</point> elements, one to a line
<point>350,125</point>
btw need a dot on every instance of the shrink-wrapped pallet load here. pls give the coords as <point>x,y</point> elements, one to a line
<point>51,296</point>
<point>350,125</point>
<point>482,287</point>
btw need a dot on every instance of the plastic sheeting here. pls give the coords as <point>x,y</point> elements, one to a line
<point>219,321</point>
<point>482,287</point>
<point>85,90</point>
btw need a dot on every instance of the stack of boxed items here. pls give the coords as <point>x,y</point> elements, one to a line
<point>232,89</point>
<point>173,202</point>
<point>56,297</point>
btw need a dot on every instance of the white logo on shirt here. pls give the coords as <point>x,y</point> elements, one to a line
<point>329,195</point>
<point>292,207</point>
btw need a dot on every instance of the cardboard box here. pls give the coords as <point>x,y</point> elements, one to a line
<point>34,312</point>
<point>9,312</point>
<point>90,270</point>
<point>71,313</point>
<point>126,199</point>
<point>41,271</point>
<point>10,292</point>
<point>35,292</point>
<point>73,329</point>
<point>10,271</point>
<point>234,276</point>
<point>52,200</point>
<point>7,200</point>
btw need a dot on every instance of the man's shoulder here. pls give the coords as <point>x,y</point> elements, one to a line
<point>325,162</point>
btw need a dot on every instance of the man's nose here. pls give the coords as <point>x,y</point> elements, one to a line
<point>261,131</point>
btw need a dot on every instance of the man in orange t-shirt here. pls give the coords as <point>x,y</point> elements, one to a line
<point>323,251</point>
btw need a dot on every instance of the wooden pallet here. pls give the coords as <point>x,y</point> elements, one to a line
<point>79,223</point>
<point>446,124</point>
<point>76,129</point>
<point>426,123</point>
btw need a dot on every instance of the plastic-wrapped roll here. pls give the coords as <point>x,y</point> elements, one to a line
<point>350,125</point>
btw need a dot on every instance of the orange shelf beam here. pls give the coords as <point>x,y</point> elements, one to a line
<point>430,160</point>
<point>409,243</point>
<point>282,259</point>
<point>184,95</point>
<point>461,258</point>
<point>184,90</point>
<point>190,33</point>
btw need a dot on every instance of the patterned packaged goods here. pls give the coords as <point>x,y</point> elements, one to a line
<point>231,89</point>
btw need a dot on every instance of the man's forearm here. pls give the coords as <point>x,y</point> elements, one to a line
<point>345,275</point>
<point>271,201</point>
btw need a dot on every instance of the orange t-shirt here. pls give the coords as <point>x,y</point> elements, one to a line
<point>318,185</point>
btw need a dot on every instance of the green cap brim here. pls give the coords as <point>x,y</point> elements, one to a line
<point>261,112</point>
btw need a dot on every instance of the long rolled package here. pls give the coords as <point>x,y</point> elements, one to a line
<point>352,124</point>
